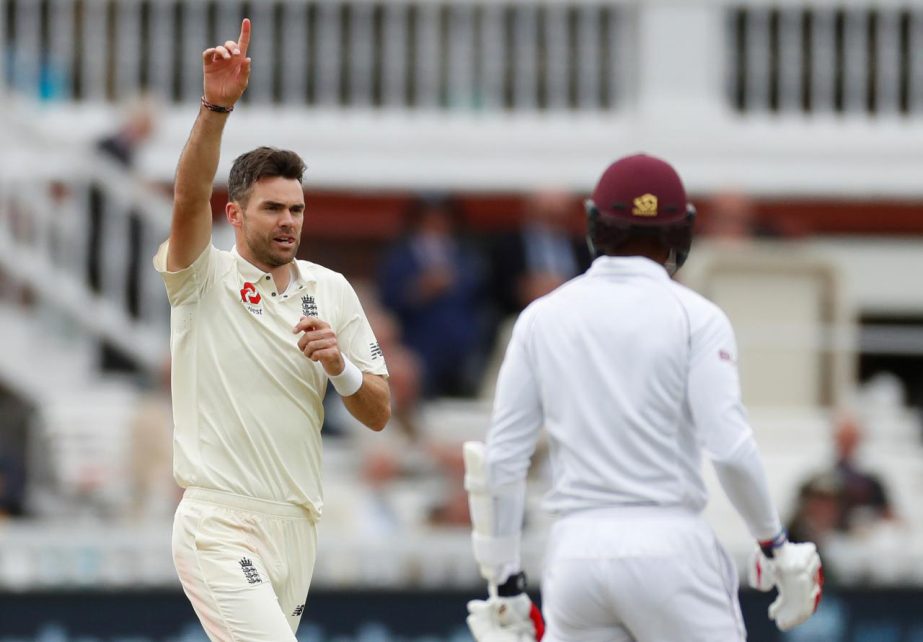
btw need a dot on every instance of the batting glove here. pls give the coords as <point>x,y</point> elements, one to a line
<point>508,616</point>
<point>796,571</point>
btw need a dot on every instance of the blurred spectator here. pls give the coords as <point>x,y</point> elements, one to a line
<point>731,218</point>
<point>12,483</point>
<point>529,263</point>
<point>135,129</point>
<point>451,507</point>
<point>844,500</point>
<point>434,285</point>
<point>818,512</point>
<point>377,514</point>
<point>405,374</point>
<point>402,453</point>
<point>405,371</point>
<point>14,423</point>
<point>541,255</point>
<point>154,493</point>
<point>121,146</point>
<point>863,497</point>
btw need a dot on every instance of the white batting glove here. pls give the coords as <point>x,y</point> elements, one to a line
<point>761,574</point>
<point>508,615</point>
<point>796,571</point>
<point>501,619</point>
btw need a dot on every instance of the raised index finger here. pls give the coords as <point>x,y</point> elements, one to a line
<point>244,40</point>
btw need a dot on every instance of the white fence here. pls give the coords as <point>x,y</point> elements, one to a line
<point>789,97</point>
<point>854,57</point>
<point>353,53</point>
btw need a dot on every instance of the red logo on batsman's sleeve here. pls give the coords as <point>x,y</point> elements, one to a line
<point>248,294</point>
<point>724,355</point>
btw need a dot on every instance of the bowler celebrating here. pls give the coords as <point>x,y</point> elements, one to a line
<point>255,336</point>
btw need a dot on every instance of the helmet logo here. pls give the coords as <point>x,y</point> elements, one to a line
<point>645,205</point>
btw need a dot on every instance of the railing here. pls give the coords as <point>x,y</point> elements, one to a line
<point>451,54</point>
<point>78,231</point>
<point>860,58</point>
<point>36,557</point>
<point>353,53</point>
<point>807,97</point>
<point>507,94</point>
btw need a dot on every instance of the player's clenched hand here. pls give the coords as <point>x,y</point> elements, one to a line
<point>319,343</point>
<point>226,69</point>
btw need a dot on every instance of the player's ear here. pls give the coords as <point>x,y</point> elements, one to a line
<point>234,213</point>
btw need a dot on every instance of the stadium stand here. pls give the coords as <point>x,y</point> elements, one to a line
<point>813,109</point>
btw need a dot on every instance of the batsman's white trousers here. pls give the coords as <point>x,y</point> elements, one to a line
<point>638,574</point>
<point>245,564</point>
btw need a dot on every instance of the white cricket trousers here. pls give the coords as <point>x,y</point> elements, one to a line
<point>244,563</point>
<point>638,574</point>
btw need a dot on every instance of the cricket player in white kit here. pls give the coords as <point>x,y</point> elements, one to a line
<point>255,337</point>
<point>634,377</point>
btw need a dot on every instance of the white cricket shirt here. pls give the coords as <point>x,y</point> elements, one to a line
<point>247,404</point>
<point>633,376</point>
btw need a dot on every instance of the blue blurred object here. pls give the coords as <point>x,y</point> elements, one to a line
<point>404,616</point>
<point>828,624</point>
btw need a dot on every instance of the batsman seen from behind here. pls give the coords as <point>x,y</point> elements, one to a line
<point>635,378</point>
<point>255,336</point>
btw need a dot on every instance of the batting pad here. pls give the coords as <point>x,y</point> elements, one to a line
<point>492,550</point>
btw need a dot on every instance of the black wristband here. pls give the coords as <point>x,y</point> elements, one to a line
<point>216,108</point>
<point>769,546</point>
<point>514,585</point>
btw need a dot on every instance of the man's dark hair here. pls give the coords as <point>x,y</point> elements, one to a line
<point>262,162</point>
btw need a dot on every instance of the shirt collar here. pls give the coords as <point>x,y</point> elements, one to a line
<point>253,274</point>
<point>627,266</point>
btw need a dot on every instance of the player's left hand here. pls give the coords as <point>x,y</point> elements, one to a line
<point>796,571</point>
<point>319,343</point>
<point>505,619</point>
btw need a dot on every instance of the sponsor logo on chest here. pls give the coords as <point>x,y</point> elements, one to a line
<point>251,299</point>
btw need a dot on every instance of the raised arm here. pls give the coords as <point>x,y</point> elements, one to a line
<point>226,71</point>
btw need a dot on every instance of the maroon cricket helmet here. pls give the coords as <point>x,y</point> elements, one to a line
<point>636,196</point>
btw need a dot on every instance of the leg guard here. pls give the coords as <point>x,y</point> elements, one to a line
<point>496,517</point>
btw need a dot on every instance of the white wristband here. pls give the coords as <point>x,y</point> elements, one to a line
<point>348,382</point>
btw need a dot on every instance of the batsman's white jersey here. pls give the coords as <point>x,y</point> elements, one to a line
<point>634,377</point>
